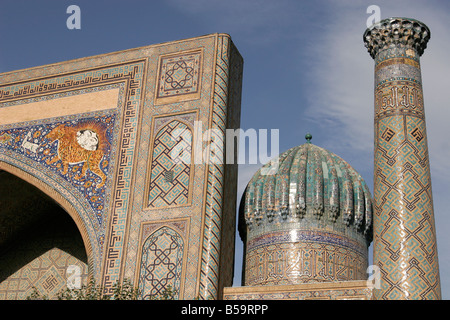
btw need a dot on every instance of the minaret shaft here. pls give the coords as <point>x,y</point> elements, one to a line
<point>405,247</point>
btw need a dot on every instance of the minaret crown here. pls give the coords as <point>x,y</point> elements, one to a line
<point>392,32</point>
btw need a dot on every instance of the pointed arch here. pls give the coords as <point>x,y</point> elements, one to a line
<point>63,202</point>
<point>161,263</point>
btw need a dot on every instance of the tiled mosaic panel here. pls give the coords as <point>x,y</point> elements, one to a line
<point>161,263</point>
<point>179,74</point>
<point>200,272</point>
<point>171,166</point>
<point>47,273</point>
<point>115,238</point>
<point>404,234</point>
<point>161,260</point>
<point>209,272</point>
<point>399,97</point>
<point>277,263</point>
<point>78,150</point>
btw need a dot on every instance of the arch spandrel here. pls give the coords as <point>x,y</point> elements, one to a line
<point>71,159</point>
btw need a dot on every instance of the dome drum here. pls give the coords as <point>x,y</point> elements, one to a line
<point>303,256</point>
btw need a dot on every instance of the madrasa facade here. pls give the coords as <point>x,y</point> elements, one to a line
<point>115,168</point>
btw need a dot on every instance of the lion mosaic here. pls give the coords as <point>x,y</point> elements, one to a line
<point>83,143</point>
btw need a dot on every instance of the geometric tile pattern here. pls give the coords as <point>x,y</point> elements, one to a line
<point>209,272</point>
<point>405,247</point>
<point>46,257</point>
<point>47,273</point>
<point>170,167</point>
<point>51,282</point>
<point>115,239</point>
<point>200,268</point>
<point>161,263</point>
<point>405,237</point>
<point>179,75</point>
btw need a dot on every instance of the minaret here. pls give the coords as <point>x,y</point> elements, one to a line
<point>405,247</point>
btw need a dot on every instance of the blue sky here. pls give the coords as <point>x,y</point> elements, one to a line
<point>306,68</point>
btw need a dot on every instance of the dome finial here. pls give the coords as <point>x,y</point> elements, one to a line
<point>308,137</point>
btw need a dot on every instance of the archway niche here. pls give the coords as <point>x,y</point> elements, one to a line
<point>41,247</point>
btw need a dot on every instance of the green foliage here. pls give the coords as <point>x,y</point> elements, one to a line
<point>126,291</point>
<point>167,294</point>
<point>92,291</point>
<point>36,295</point>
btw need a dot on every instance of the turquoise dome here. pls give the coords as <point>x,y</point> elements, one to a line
<point>309,182</point>
<point>305,216</point>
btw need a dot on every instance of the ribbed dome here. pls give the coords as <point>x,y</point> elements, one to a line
<point>305,217</point>
<point>309,182</point>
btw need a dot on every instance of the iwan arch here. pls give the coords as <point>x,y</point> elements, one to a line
<point>97,137</point>
<point>94,136</point>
